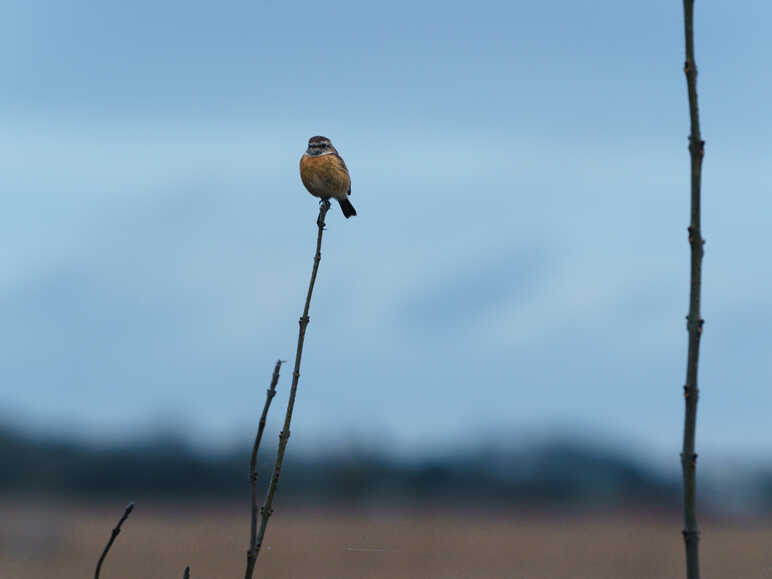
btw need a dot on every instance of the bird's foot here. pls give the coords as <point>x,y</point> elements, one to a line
<point>324,207</point>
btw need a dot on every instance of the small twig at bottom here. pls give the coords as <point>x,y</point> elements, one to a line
<point>269,394</point>
<point>113,535</point>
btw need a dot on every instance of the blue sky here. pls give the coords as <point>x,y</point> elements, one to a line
<point>519,265</point>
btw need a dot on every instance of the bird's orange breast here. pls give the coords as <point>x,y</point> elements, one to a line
<point>325,176</point>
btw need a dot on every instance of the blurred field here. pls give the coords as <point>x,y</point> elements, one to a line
<point>158,541</point>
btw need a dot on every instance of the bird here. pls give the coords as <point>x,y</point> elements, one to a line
<point>325,175</point>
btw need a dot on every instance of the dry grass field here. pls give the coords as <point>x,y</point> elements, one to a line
<point>38,542</point>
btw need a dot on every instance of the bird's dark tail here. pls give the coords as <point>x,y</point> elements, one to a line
<point>347,208</point>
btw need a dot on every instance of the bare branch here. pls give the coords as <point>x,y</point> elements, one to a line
<point>113,535</point>
<point>267,509</point>
<point>694,321</point>
<point>270,393</point>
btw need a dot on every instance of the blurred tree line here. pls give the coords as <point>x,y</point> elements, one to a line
<point>167,467</point>
<point>558,473</point>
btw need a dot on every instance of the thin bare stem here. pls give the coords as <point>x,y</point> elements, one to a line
<point>267,509</point>
<point>113,535</point>
<point>269,394</point>
<point>694,322</point>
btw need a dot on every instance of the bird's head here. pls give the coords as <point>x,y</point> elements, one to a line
<point>318,146</point>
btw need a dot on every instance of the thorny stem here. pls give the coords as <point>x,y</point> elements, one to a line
<point>694,321</point>
<point>113,535</point>
<point>266,509</point>
<point>270,393</point>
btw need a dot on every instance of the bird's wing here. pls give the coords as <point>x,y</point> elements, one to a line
<point>343,164</point>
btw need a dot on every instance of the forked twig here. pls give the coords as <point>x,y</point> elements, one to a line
<point>113,535</point>
<point>270,393</point>
<point>694,321</point>
<point>267,509</point>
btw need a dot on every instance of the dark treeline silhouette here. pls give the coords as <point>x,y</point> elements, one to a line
<point>558,473</point>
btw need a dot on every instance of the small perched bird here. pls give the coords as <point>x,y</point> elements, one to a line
<point>325,175</point>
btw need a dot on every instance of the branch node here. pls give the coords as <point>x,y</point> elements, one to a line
<point>692,459</point>
<point>690,390</point>
<point>696,146</point>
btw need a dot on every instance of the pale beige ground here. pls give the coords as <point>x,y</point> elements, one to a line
<point>157,542</point>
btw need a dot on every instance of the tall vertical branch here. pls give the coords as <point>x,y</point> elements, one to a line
<point>267,509</point>
<point>694,321</point>
<point>269,394</point>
